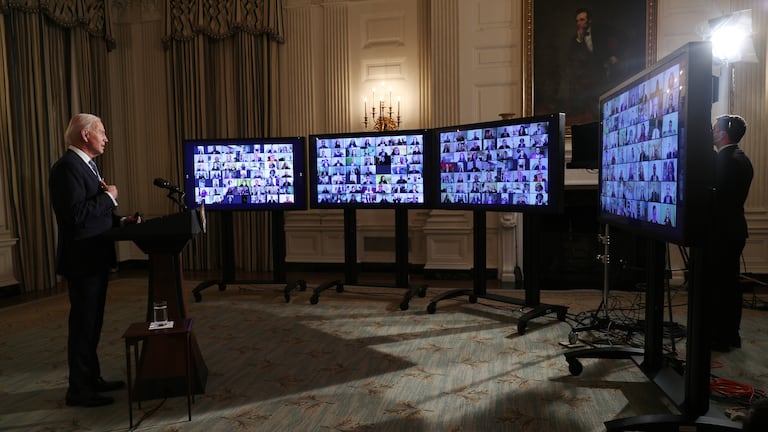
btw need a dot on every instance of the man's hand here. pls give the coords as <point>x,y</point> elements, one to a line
<point>112,189</point>
<point>133,219</point>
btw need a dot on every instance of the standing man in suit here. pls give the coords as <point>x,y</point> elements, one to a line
<point>733,177</point>
<point>84,203</point>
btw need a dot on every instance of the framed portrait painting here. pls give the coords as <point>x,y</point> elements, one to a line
<point>577,50</point>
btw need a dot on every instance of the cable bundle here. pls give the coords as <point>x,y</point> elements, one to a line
<point>742,394</point>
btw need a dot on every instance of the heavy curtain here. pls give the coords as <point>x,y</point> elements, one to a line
<point>222,75</point>
<point>53,62</point>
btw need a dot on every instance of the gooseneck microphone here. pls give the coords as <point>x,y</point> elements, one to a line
<point>165,184</point>
<point>174,192</point>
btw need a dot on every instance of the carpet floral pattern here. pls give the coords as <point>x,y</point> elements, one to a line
<point>352,362</point>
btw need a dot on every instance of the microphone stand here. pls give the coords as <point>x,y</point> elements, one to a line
<point>177,196</point>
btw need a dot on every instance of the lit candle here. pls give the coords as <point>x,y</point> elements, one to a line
<point>398,106</point>
<point>390,98</point>
<point>365,105</point>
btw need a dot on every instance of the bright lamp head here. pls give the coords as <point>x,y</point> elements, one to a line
<point>731,37</point>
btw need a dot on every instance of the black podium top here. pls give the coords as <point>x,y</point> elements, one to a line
<point>164,235</point>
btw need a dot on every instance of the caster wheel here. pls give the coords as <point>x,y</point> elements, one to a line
<point>340,288</point>
<point>302,285</point>
<point>575,367</point>
<point>404,306</point>
<point>473,299</point>
<point>287,298</point>
<point>222,287</point>
<point>431,308</point>
<point>423,292</point>
<point>314,299</point>
<point>573,338</point>
<point>198,298</point>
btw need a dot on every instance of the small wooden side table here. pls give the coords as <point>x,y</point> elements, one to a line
<point>140,332</point>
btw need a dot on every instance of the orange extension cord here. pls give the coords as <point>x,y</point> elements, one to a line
<point>740,393</point>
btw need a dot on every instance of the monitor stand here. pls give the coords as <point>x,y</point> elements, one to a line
<point>532,250</point>
<point>350,260</point>
<point>228,259</point>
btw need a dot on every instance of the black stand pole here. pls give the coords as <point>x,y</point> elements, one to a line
<point>689,392</point>
<point>350,260</point>
<point>228,258</point>
<point>532,249</point>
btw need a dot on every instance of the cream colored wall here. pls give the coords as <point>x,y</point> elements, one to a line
<point>473,73</point>
<point>681,21</point>
<point>446,74</point>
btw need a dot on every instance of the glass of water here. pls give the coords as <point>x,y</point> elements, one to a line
<point>160,309</point>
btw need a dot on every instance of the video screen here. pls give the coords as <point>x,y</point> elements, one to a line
<point>509,165</point>
<point>647,125</point>
<point>640,146</point>
<point>245,174</point>
<point>375,170</point>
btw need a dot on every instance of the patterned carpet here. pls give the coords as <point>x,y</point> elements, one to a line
<point>352,362</point>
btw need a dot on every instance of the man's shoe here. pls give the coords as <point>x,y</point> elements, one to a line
<point>89,400</point>
<point>106,386</point>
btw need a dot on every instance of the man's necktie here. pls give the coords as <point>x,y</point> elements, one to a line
<point>94,168</point>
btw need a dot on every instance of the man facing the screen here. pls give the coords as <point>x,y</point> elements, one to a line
<point>733,177</point>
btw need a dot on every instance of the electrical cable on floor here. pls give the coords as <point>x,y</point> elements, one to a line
<point>147,415</point>
<point>730,390</point>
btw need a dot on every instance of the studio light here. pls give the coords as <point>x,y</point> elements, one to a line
<point>731,37</point>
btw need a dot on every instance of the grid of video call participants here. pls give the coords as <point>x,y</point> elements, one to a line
<point>370,170</point>
<point>639,160</point>
<point>501,165</point>
<point>244,174</point>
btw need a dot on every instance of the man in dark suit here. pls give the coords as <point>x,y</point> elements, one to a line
<point>733,177</point>
<point>83,203</point>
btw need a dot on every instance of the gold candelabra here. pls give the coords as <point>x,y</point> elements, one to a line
<point>386,119</point>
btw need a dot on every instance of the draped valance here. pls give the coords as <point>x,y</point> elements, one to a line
<point>220,19</point>
<point>91,15</point>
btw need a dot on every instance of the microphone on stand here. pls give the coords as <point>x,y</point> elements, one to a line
<point>165,184</point>
<point>172,189</point>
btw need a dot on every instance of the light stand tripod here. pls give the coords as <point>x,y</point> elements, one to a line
<point>600,321</point>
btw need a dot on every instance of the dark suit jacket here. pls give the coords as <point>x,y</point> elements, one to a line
<point>733,176</point>
<point>83,213</point>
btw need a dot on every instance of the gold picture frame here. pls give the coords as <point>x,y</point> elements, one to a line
<point>546,30</point>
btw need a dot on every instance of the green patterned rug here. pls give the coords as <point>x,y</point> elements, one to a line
<point>352,362</point>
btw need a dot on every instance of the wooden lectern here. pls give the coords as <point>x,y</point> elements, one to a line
<point>163,239</point>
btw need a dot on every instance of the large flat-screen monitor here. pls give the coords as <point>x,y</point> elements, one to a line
<point>245,174</point>
<point>656,148</point>
<point>368,170</point>
<point>507,165</point>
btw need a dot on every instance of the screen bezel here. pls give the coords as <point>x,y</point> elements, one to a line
<point>298,150</point>
<point>694,157</point>
<point>314,161</point>
<point>555,161</point>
